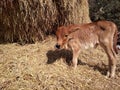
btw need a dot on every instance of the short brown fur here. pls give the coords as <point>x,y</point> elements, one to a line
<point>83,36</point>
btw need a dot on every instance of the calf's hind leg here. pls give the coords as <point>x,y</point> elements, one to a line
<point>108,47</point>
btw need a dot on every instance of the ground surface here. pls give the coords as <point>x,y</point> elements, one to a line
<point>38,67</point>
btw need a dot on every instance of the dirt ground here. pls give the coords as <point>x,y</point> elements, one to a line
<point>39,67</point>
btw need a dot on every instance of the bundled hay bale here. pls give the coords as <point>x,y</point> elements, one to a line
<point>32,20</point>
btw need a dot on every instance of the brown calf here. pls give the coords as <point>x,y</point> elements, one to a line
<point>83,36</point>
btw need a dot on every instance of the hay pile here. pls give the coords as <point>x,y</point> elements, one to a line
<point>25,68</point>
<point>32,20</point>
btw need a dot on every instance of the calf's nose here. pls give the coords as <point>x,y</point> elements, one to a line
<point>57,46</point>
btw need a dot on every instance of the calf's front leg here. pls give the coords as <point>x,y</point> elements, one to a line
<point>75,58</point>
<point>75,51</point>
<point>74,45</point>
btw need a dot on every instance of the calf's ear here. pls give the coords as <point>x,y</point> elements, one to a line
<point>73,30</point>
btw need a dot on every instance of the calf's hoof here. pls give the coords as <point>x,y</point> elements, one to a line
<point>110,75</point>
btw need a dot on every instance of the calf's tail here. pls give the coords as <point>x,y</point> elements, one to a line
<point>115,41</point>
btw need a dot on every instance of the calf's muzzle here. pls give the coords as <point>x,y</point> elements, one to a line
<point>57,46</point>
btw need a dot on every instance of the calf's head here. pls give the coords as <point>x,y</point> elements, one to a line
<point>62,37</point>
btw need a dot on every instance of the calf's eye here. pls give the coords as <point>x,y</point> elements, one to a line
<point>66,35</point>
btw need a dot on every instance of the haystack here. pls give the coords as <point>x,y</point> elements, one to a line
<point>29,21</point>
